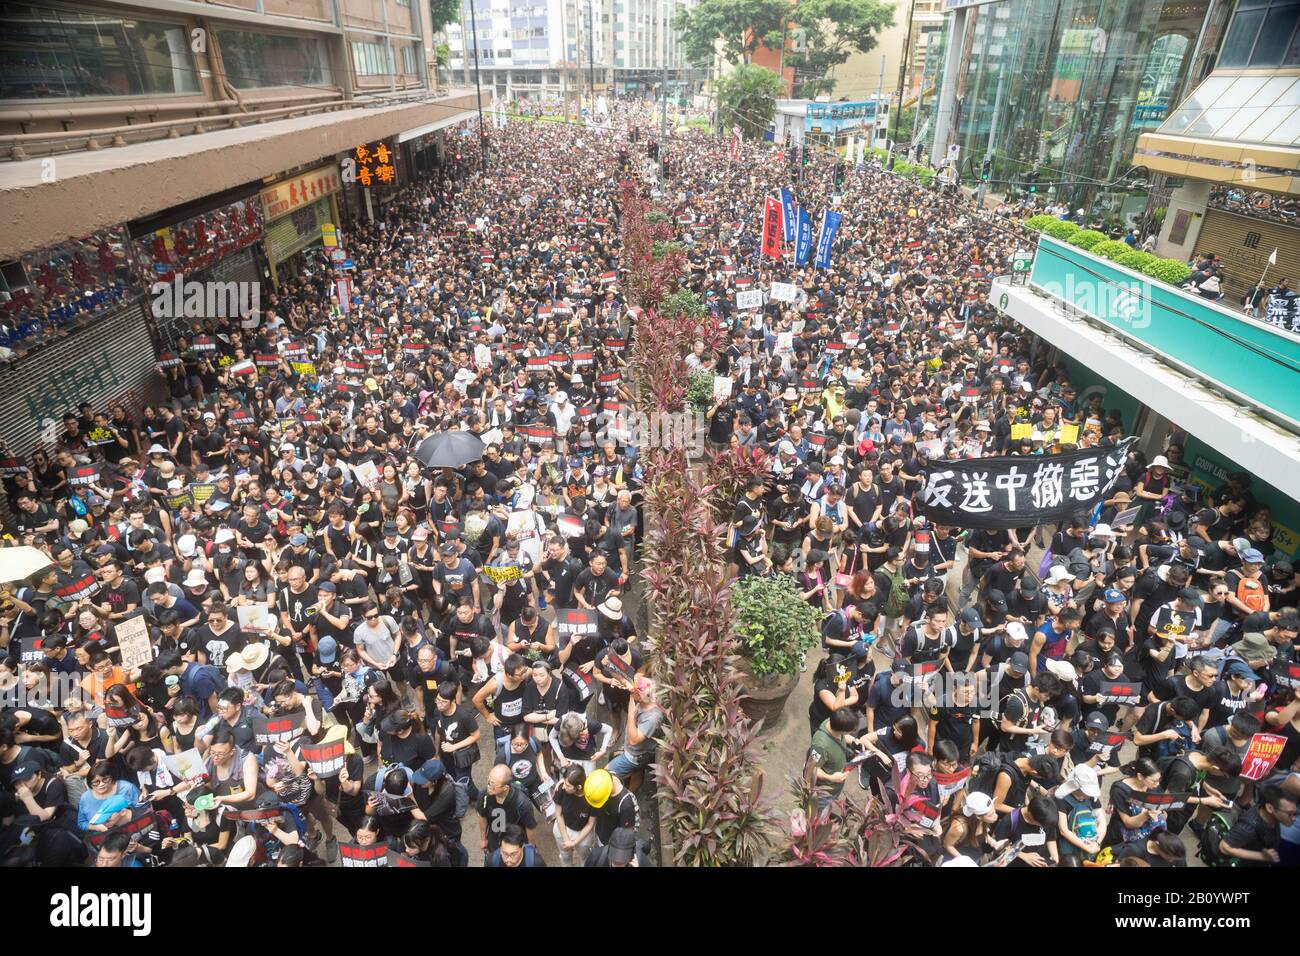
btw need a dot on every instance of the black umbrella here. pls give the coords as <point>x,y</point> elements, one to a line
<point>450,450</point>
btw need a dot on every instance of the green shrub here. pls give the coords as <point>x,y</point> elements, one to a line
<point>656,216</point>
<point>683,302</point>
<point>1061,229</point>
<point>1036,223</point>
<point>1111,249</point>
<point>925,175</point>
<point>1137,260</point>
<point>699,390</point>
<point>776,626</point>
<point>1168,270</point>
<point>661,249</point>
<point>1087,238</point>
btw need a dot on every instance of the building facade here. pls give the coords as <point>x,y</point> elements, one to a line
<point>152,142</point>
<point>548,48</point>
<point>1063,88</point>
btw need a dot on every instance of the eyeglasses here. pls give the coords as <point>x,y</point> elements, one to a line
<point>372,617</point>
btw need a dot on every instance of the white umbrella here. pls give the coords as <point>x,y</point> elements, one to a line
<point>21,562</point>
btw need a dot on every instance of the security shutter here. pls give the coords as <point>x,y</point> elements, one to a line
<point>296,231</point>
<point>112,361</point>
<point>1244,243</point>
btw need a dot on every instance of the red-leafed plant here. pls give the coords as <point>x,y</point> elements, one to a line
<point>885,830</point>
<point>707,765</point>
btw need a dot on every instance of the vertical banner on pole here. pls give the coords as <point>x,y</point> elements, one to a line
<point>803,238</point>
<point>787,214</point>
<point>848,153</point>
<point>826,238</point>
<point>772,228</point>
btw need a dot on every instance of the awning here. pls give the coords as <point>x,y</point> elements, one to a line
<point>419,131</point>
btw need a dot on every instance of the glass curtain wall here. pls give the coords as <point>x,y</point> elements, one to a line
<point>1066,87</point>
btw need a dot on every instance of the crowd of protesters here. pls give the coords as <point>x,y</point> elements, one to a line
<point>325,578</point>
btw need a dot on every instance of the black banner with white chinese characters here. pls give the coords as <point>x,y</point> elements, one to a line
<point>1020,492</point>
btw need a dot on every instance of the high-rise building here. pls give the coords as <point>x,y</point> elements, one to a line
<point>560,47</point>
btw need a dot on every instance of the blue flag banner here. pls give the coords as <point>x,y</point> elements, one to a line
<point>826,238</point>
<point>803,240</point>
<point>787,213</point>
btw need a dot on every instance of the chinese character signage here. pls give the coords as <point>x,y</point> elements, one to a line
<point>376,165</point>
<point>290,194</point>
<point>1017,492</point>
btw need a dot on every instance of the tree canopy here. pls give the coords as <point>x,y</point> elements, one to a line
<point>747,98</point>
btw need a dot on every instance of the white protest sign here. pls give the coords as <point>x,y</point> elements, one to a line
<point>749,299</point>
<point>784,292</point>
<point>133,642</point>
<point>721,387</point>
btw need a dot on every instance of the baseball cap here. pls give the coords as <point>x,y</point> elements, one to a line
<point>1252,556</point>
<point>328,649</point>
<point>447,549</point>
<point>622,846</point>
<point>1096,721</point>
<point>1019,662</point>
<point>1238,669</point>
<point>1082,779</point>
<point>298,539</point>
<point>1190,596</point>
<point>390,527</point>
<point>1028,585</point>
<point>431,771</point>
<point>860,649</point>
<point>976,804</point>
<point>997,600</point>
<point>972,617</point>
<point>395,722</point>
<point>329,586</point>
<point>1114,596</point>
<point>420,534</point>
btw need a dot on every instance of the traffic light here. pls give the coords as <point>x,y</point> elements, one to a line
<point>985,169</point>
<point>839,174</point>
<point>1032,178</point>
<point>652,150</point>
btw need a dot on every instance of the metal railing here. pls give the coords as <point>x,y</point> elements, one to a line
<point>20,146</point>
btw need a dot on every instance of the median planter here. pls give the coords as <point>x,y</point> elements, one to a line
<point>775,628</point>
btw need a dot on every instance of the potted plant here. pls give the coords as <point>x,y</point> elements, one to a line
<point>775,628</point>
<point>699,390</point>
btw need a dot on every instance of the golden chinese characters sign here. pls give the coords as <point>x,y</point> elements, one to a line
<point>290,194</point>
<point>376,164</point>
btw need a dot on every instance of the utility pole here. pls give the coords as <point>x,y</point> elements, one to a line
<point>591,60</point>
<point>902,78</point>
<point>875,117</point>
<point>663,121</point>
<point>478,89</point>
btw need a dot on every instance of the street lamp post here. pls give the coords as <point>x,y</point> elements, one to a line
<point>478,90</point>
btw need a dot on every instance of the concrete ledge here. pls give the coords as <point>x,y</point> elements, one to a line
<point>49,199</point>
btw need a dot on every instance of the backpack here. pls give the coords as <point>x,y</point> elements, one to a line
<point>898,596</point>
<point>1082,819</point>
<point>462,798</point>
<point>1251,593</point>
<point>1215,829</point>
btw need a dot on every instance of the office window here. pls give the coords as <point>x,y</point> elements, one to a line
<point>273,59</point>
<point>411,60</point>
<point>372,59</point>
<point>1263,33</point>
<point>55,51</point>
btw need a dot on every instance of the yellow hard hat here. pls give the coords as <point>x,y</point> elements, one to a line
<point>597,788</point>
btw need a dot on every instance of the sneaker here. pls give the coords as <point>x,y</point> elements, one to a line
<point>803,661</point>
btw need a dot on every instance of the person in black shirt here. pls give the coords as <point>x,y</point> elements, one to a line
<point>502,805</point>
<point>1254,838</point>
<point>594,584</point>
